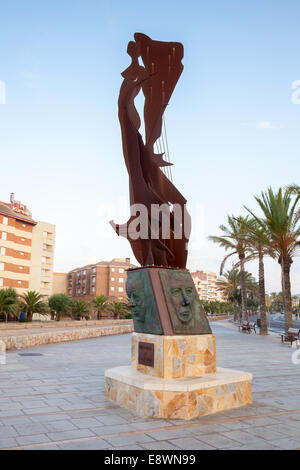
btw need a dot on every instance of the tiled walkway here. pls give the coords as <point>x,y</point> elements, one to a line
<point>56,400</point>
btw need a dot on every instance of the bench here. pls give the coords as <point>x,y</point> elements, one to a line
<point>246,326</point>
<point>292,335</point>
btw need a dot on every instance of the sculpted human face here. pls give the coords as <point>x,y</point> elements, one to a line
<point>136,294</point>
<point>182,296</point>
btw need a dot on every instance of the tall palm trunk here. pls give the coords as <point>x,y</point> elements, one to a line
<point>262,295</point>
<point>286,291</point>
<point>243,289</point>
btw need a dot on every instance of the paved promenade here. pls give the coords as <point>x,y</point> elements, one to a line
<point>56,400</point>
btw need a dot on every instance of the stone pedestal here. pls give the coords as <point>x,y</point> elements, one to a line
<point>182,382</point>
<point>176,356</point>
<point>173,371</point>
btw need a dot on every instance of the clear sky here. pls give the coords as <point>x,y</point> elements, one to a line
<point>232,128</point>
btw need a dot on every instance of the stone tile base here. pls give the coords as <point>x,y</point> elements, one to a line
<point>184,398</point>
<point>176,356</point>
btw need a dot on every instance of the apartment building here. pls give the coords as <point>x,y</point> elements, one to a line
<point>59,285</point>
<point>206,285</point>
<point>26,249</point>
<point>106,278</point>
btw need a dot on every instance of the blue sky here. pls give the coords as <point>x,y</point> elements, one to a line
<point>232,128</point>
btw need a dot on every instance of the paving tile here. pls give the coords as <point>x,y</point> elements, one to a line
<point>71,434</point>
<point>30,429</point>
<point>112,419</point>
<point>32,439</point>
<point>160,445</point>
<point>119,441</point>
<point>219,441</point>
<point>191,443</point>
<point>82,423</point>
<point>61,425</point>
<point>94,444</point>
<point>7,442</point>
<point>170,434</point>
<point>8,431</point>
<point>288,444</point>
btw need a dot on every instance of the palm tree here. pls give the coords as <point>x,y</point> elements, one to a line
<point>281,219</point>
<point>119,309</point>
<point>8,298</point>
<point>258,241</point>
<point>100,303</point>
<point>34,303</point>
<point>230,285</point>
<point>293,189</point>
<point>234,240</point>
<point>79,309</point>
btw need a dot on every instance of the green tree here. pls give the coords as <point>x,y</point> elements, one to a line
<point>34,303</point>
<point>281,218</point>
<point>8,299</point>
<point>100,305</point>
<point>60,304</point>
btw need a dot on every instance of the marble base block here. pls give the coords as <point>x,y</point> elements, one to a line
<point>183,398</point>
<point>176,356</point>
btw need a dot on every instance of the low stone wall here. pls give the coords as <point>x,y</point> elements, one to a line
<point>20,341</point>
<point>60,324</point>
<point>218,317</point>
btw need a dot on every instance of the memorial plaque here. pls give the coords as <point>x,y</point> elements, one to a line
<point>146,354</point>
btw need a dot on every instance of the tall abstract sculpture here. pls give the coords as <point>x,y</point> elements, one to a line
<point>173,371</point>
<point>157,78</point>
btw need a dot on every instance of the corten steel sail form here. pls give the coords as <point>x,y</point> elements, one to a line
<point>157,78</point>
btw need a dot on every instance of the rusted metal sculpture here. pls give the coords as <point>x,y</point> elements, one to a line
<point>157,78</point>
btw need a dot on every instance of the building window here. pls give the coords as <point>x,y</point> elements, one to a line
<point>113,270</point>
<point>23,225</point>
<point>43,259</point>
<point>4,235</point>
<point>84,272</point>
<point>121,279</point>
<point>21,267</point>
<point>112,288</point>
<point>121,289</point>
<point>93,270</point>
<point>5,221</point>
<point>45,234</point>
<point>1,266</point>
<point>112,279</point>
<point>94,279</point>
<point>121,270</point>
<point>21,253</point>
<point>93,289</point>
<point>2,251</point>
<point>22,239</point>
<point>19,282</point>
<point>1,282</point>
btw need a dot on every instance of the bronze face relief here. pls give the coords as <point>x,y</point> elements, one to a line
<point>142,303</point>
<point>185,309</point>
